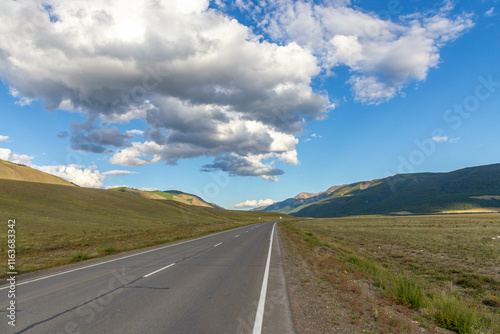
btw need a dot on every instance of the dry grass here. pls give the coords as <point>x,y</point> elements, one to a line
<point>416,260</point>
<point>57,224</point>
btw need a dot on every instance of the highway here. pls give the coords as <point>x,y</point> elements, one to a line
<point>228,282</point>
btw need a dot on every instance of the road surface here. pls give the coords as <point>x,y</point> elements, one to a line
<point>229,282</point>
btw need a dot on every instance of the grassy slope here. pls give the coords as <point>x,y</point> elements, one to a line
<point>12,171</point>
<point>57,223</point>
<point>172,195</point>
<point>446,266</point>
<point>144,194</point>
<point>417,193</point>
<point>182,197</point>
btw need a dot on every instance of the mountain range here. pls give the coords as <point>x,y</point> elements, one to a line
<point>465,190</point>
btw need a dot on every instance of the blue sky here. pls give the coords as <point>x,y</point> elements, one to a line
<point>244,105</point>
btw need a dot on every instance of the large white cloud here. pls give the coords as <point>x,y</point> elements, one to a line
<point>205,84</point>
<point>383,54</point>
<point>82,176</point>
<point>196,76</point>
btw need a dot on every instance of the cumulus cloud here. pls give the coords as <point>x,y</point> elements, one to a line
<point>254,203</point>
<point>80,175</point>
<point>134,132</point>
<point>4,138</point>
<point>87,138</point>
<point>196,76</point>
<point>383,55</point>
<point>8,155</point>
<point>205,84</point>
<point>250,165</point>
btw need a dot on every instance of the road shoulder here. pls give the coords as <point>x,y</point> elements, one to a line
<point>341,302</point>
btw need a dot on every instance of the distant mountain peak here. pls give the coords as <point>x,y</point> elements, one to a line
<point>304,195</point>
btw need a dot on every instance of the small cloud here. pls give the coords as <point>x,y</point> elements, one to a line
<point>254,203</point>
<point>490,12</point>
<point>270,178</point>
<point>149,189</point>
<point>445,139</point>
<point>134,132</point>
<point>21,100</point>
<point>314,135</point>
<point>63,134</point>
<point>440,139</point>
<point>4,138</point>
<point>118,172</point>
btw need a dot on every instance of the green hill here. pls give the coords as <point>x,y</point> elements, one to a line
<point>466,190</point>
<point>12,171</point>
<point>173,195</point>
<point>58,224</point>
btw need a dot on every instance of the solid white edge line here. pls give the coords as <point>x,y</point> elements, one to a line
<point>259,317</point>
<point>120,258</point>
<point>220,243</point>
<point>154,272</point>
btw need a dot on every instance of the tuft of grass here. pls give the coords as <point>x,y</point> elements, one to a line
<point>409,293</point>
<point>365,266</point>
<point>79,257</point>
<point>109,250</point>
<point>455,314</point>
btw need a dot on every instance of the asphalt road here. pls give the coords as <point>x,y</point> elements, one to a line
<point>229,282</point>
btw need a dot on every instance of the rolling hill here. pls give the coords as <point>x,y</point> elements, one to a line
<point>469,189</point>
<point>17,172</point>
<point>57,224</point>
<point>172,195</point>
